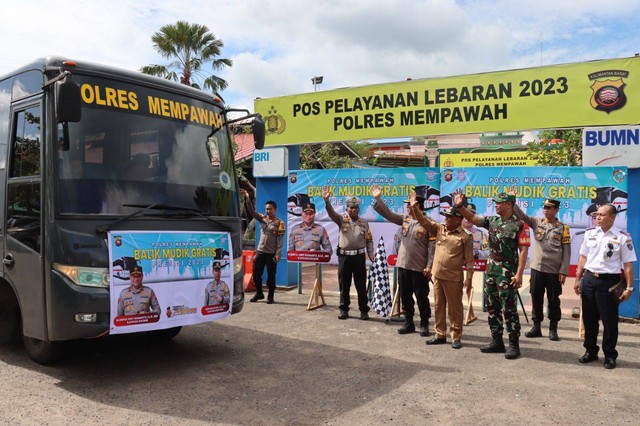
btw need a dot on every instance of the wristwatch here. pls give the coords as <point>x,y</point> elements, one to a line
<point>629,289</point>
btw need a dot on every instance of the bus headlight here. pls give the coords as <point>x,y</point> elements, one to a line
<point>84,276</point>
<point>237,265</point>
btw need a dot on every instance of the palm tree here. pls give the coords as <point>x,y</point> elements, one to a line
<point>189,47</point>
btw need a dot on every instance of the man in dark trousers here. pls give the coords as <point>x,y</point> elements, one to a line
<point>415,255</point>
<point>269,248</point>
<point>549,264</point>
<point>354,240</point>
<point>604,253</point>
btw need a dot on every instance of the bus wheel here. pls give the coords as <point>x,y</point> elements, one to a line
<point>165,334</point>
<point>42,351</point>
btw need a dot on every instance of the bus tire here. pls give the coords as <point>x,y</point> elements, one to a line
<point>42,351</point>
<point>164,334</point>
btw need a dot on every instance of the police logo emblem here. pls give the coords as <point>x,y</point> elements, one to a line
<point>608,93</point>
<point>274,122</point>
<point>448,175</point>
<point>117,240</point>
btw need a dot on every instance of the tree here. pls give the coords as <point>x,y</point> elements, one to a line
<point>323,156</point>
<point>189,47</point>
<point>557,148</point>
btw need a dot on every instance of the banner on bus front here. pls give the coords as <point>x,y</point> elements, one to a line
<point>161,280</point>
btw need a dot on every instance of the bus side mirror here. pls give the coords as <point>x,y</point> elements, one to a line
<point>257,127</point>
<point>68,101</point>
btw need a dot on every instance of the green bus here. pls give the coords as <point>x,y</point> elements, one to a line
<point>86,149</point>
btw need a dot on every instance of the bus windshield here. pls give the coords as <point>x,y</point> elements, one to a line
<point>140,146</point>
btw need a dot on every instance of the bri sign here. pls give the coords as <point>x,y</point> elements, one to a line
<point>611,146</point>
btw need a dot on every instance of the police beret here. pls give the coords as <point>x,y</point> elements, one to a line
<point>353,202</point>
<point>552,203</point>
<point>503,197</point>
<point>309,206</point>
<point>216,265</point>
<point>453,211</point>
<point>135,270</point>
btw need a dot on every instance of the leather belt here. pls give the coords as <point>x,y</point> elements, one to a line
<point>351,252</point>
<point>602,275</point>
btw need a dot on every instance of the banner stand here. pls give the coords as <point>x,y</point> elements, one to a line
<point>581,324</point>
<point>396,306</point>
<point>316,293</point>
<point>470,317</point>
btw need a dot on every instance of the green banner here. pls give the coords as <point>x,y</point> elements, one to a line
<point>571,95</point>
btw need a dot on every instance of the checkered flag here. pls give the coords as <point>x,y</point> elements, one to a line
<point>379,282</point>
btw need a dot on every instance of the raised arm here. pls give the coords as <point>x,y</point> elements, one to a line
<point>430,224</point>
<point>381,207</point>
<point>529,220</point>
<point>326,193</point>
<point>459,203</point>
<point>252,211</point>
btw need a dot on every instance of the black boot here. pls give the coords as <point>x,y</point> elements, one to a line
<point>407,327</point>
<point>495,346</point>
<point>535,330</point>
<point>553,331</point>
<point>258,296</point>
<point>270,296</point>
<point>514,348</point>
<point>424,329</point>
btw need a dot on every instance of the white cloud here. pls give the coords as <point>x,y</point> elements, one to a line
<point>278,45</point>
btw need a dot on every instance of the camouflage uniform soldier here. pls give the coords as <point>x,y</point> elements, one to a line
<point>549,265</point>
<point>137,299</point>
<point>354,240</point>
<point>308,235</point>
<point>269,248</point>
<point>415,257</point>
<point>217,291</point>
<point>504,272</point>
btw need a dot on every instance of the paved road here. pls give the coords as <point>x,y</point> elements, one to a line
<point>282,364</point>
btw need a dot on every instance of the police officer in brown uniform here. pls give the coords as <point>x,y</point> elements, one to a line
<point>454,251</point>
<point>415,256</point>
<point>354,240</point>
<point>549,265</point>
<point>308,235</point>
<point>137,298</point>
<point>269,248</point>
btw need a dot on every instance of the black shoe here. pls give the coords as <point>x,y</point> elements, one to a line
<point>588,357</point>
<point>269,301</point>
<point>437,341</point>
<point>456,344</point>
<point>609,363</point>
<point>257,297</point>
<point>553,335</point>
<point>407,327</point>
<point>343,315</point>
<point>364,316</point>
<point>535,331</point>
<point>424,331</point>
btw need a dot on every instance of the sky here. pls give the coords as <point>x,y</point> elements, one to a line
<point>277,46</point>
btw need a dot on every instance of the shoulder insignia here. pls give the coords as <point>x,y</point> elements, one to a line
<point>467,231</point>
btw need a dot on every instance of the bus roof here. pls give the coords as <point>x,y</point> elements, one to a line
<point>51,63</point>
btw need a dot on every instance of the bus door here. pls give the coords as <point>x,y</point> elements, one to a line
<point>23,261</point>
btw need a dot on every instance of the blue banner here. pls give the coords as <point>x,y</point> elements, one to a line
<point>580,191</point>
<point>168,279</point>
<point>305,186</point>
